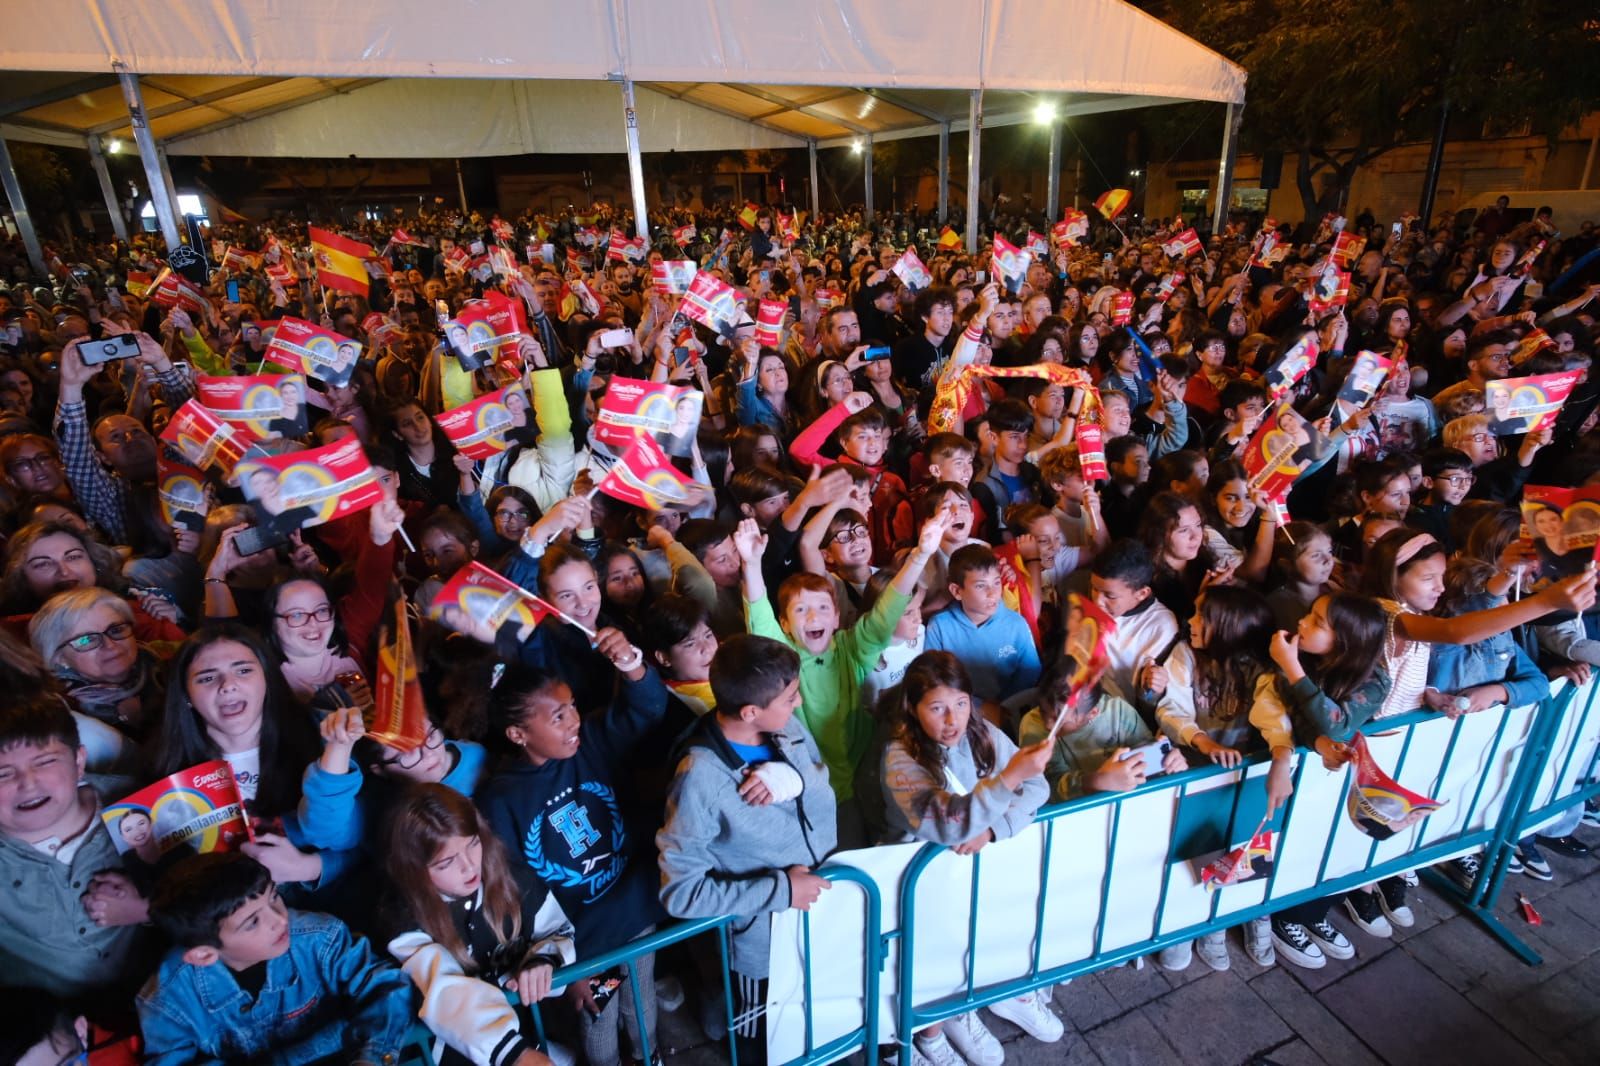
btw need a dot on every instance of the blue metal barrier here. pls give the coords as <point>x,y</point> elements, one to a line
<point>1495,834</point>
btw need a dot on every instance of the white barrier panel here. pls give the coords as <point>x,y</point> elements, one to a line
<point>1155,834</point>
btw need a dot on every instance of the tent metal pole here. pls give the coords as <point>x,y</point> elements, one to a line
<point>19,211</point>
<point>1230,149</point>
<point>166,205</point>
<point>866,167</point>
<point>461,188</point>
<point>816,194</point>
<point>97,159</point>
<point>974,138</point>
<point>1052,194</point>
<point>641,216</point>
<point>172,190</point>
<point>944,172</point>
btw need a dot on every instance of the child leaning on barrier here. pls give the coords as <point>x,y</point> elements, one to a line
<point>951,777</point>
<point>1330,681</point>
<point>1093,745</point>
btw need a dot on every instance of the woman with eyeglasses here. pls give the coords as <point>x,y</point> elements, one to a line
<point>87,638</point>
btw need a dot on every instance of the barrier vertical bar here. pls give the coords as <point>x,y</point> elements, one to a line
<point>727,993</point>
<point>638,1010</point>
<point>1233,827</point>
<point>1044,894</point>
<point>1105,882</point>
<point>1283,827</point>
<point>1400,764</point>
<point>972,923</point>
<point>1166,874</point>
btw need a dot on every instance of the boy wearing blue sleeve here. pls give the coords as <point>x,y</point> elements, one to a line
<point>249,979</point>
<point>992,641</point>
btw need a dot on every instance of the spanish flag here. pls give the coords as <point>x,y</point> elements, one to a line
<point>747,217</point>
<point>341,262</point>
<point>1112,203</point>
<point>949,240</point>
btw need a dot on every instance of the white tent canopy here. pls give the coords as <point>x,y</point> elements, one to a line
<point>425,78</point>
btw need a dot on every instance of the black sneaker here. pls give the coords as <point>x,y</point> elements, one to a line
<point>1294,944</point>
<point>1392,898</point>
<point>1367,912</point>
<point>1334,944</point>
<point>1464,871</point>
<point>1534,864</point>
<point>1569,846</point>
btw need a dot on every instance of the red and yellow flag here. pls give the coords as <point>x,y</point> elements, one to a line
<point>949,240</point>
<point>341,262</point>
<point>747,216</point>
<point>398,718</point>
<point>1112,203</point>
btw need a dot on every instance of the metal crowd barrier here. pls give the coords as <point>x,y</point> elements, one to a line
<point>1503,772</point>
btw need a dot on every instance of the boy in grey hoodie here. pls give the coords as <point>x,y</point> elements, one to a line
<point>749,814</point>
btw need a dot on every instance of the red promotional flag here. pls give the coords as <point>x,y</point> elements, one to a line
<point>1091,451</point>
<point>477,602</point>
<point>195,810</point>
<point>1365,378</point>
<point>682,235</point>
<point>138,282</point>
<point>236,259</point>
<point>282,275</point>
<point>494,325</point>
<point>260,407</point>
<point>203,439</point>
<point>909,269</point>
<point>1087,629</point>
<point>1346,248</point>
<point>1112,203</point>
<point>1558,520</point>
<point>1330,291</point>
<point>502,230</point>
<point>478,429</point>
<point>402,237</point>
<point>631,407</point>
<point>1038,245</point>
<point>398,717</point>
<point>712,303</point>
<point>1169,285</point>
<point>1072,229</point>
<point>673,275</point>
<point>1010,263</point>
<point>1279,452</point>
<point>1015,591</point>
<point>181,493</point>
<point>320,353</point>
<point>769,322</point>
<point>1527,405</point>
<point>1122,308</point>
<point>645,477</point>
<point>1285,374</point>
<point>171,289</point>
<point>1184,245</point>
<point>615,245</point>
<point>339,261</point>
<point>1376,802</point>
<point>827,299</point>
<point>312,486</point>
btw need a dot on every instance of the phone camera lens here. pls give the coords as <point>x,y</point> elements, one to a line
<point>108,350</point>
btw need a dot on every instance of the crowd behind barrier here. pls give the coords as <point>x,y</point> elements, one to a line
<point>511,630</point>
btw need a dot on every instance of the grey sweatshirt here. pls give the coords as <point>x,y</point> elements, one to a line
<point>721,855</point>
<point>924,806</point>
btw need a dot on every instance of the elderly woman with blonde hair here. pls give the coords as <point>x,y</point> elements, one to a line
<point>85,636</point>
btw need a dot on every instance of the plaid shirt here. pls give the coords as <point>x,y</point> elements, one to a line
<point>100,490</point>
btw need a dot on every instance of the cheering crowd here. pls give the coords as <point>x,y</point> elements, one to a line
<point>848,604</point>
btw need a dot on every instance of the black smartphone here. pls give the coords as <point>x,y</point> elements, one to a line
<point>258,539</point>
<point>873,354</point>
<point>108,349</point>
<point>233,290</point>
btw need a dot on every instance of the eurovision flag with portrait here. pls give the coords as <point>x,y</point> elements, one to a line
<point>1088,628</point>
<point>1184,245</point>
<point>203,440</point>
<point>1330,290</point>
<point>487,330</point>
<point>1010,263</point>
<point>669,413</point>
<point>261,406</point>
<point>1377,804</point>
<point>769,322</point>
<point>1563,525</point>
<point>909,269</point>
<point>397,718</point>
<point>319,353</point>
<point>478,602</point>
<point>645,477</point>
<point>1527,405</point>
<point>171,289</point>
<point>181,493</point>
<point>197,810</point>
<point>1279,452</point>
<point>478,429</point>
<point>1250,861</point>
<point>1294,364</point>
<point>1367,375</point>
<point>673,275</point>
<point>1072,229</point>
<point>311,486</point>
<point>713,303</point>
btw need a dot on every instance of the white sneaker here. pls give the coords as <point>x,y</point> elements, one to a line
<point>1176,959</point>
<point>892,1057</point>
<point>972,1039</point>
<point>1029,1013</point>
<point>1213,950</point>
<point>1258,941</point>
<point>935,1049</point>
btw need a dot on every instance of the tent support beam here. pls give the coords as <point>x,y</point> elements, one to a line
<point>866,165</point>
<point>816,194</point>
<point>154,170</point>
<point>944,172</point>
<point>974,139</point>
<point>1230,150</point>
<point>97,159</point>
<point>19,211</point>
<point>172,190</point>
<point>1052,194</point>
<point>641,216</point>
<point>461,188</point>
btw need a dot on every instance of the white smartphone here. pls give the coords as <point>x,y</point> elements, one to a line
<point>616,338</point>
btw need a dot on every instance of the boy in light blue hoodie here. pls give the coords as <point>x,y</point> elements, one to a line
<point>991,640</point>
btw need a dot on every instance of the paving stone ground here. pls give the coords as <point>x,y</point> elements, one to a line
<point>1442,991</point>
